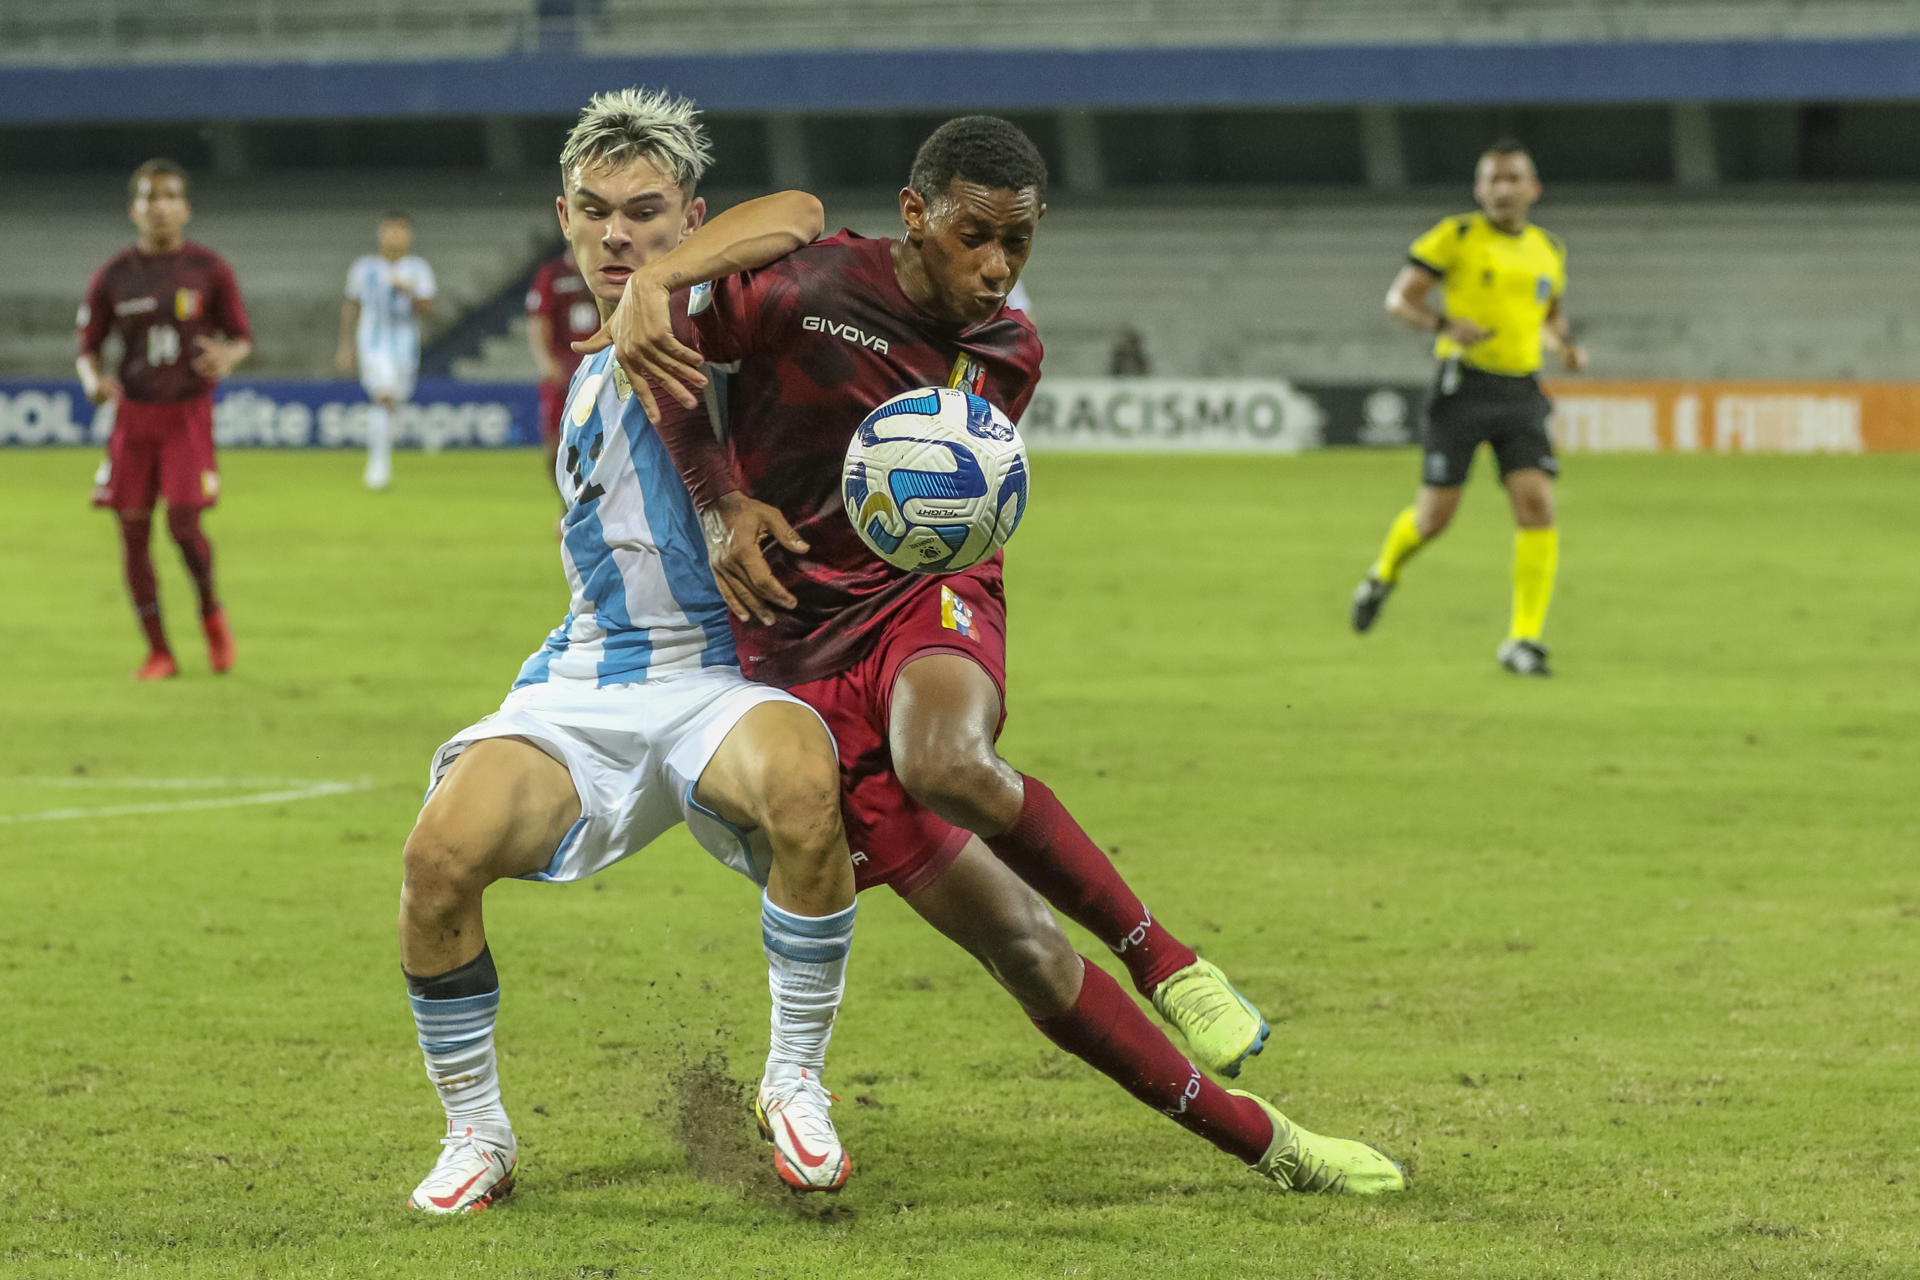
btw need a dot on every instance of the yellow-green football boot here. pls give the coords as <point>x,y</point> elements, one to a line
<point>1222,1027</point>
<point>1319,1165</point>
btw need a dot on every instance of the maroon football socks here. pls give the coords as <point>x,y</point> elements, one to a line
<point>1046,848</point>
<point>1108,1031</point>
<point>136,557</point>
<point>184,524</point>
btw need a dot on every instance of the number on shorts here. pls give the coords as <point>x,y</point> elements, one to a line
<point>163,344</point>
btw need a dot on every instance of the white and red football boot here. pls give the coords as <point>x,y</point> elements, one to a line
<point>792,1111</point>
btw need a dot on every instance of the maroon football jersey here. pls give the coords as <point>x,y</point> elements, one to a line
<point>559,294</point>
<point>159,303</point>
<point>820,338</point>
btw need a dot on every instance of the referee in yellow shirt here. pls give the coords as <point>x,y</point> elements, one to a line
<point>1502,279</point>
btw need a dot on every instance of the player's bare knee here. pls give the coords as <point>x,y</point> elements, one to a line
<point>440,870</point>
<point>799,804</point>
<point>1034,960</point>
<point>962,786</point>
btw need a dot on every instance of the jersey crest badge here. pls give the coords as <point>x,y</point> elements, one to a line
<point>188,304</point>
<point>955,614</point>
<point>969,374</point>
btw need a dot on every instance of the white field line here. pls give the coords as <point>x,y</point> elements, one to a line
<point>302,791</point>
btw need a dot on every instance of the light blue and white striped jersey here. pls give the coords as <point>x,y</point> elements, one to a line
<point>644,604</point>
<point>388,327</point>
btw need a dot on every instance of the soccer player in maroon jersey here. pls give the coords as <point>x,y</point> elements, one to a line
<point>177,310</point>
<point>909,670</point>
<point>560,312</point>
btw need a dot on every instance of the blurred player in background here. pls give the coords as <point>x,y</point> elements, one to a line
<point>633,714</point>
<point>909,670</point>
<point>387,293</point>
<point>560,312</point>
<point>176,309</point>
<point>1503,280</point>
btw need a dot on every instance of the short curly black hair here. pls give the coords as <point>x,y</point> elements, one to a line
<point>983,149</point>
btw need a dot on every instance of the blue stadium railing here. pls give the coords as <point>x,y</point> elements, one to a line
<point>1869,69</point>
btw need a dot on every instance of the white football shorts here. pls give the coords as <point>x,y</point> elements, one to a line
<point>383,373</point>
<point>635,752</point>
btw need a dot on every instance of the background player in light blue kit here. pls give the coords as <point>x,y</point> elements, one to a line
<point>387,294</point>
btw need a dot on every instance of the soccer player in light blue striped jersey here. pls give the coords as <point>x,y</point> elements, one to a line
<point>387,294</point>
<point>633,715</point>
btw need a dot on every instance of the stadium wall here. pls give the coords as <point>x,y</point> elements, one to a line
<point>1114,415</point>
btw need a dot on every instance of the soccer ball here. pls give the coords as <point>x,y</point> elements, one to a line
<point>935,480</point>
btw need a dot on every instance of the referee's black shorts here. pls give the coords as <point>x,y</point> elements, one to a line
<point>1469,406</point>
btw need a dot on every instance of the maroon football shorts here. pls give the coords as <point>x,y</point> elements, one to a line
<point>159,451</point>
<point>553,403</point>
<point>895,839</point>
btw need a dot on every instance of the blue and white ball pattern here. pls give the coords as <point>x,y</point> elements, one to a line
<point>935,480</point>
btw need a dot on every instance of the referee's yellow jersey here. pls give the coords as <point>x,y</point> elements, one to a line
<point>1503,282</point>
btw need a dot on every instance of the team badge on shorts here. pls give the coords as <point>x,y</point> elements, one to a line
<point>187,304</point>
<point>955,614</point>
<point>209,485</point>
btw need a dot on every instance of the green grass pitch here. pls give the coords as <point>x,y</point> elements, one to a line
<point>1623,963</point>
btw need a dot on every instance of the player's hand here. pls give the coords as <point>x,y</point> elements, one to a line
<point>105,391</point>
<point>1465,332</point>
<point>640,331</point>
<point>217,357</point>
<point>1574,357</point>
<point>734,528</point>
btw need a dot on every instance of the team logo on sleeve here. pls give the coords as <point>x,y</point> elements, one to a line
<point>1542,289</point>
<point>955,614</point>
<point>188,304</point>
<point>968,374</point>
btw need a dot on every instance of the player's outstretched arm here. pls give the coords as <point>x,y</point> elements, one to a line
<point>640,330</point>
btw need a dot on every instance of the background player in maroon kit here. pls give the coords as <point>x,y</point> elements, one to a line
<point>176,309</point>
<point>560,312</point>
<point>909,670</point>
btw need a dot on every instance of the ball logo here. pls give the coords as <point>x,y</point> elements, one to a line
<point>934,480</point>
<point>982,423</point>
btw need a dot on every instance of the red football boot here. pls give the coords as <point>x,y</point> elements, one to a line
<point>158,666</point>
<point>219,641</point>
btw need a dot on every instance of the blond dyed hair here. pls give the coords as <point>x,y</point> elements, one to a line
<point>628,124</point>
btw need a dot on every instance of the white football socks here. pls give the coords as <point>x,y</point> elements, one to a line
<point>806,976</point>
<point>456,1038</point>
<point>379,446</point>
